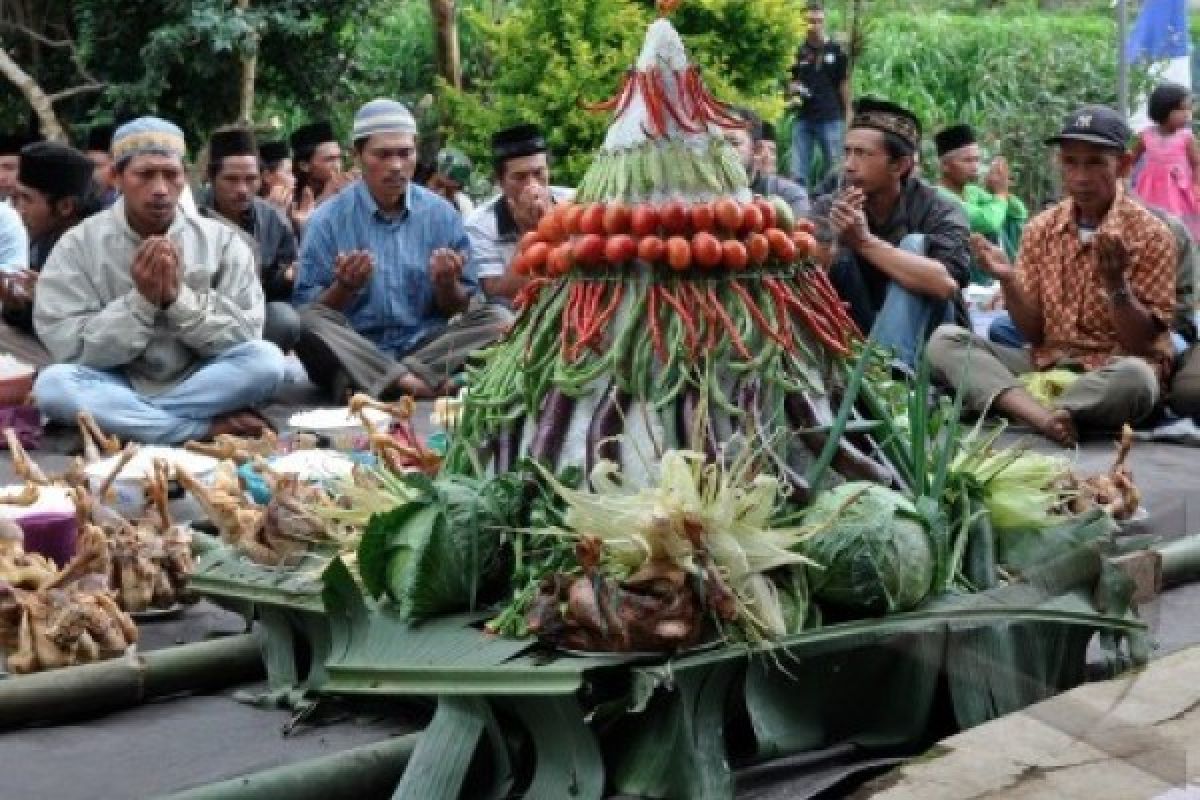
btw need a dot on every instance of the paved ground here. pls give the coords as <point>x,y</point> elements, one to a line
<point>1138,737</point>
<point>189,741</point>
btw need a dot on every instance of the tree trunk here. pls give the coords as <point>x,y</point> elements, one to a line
<point>249,70</point>
<point>445,22</point>
<point>40,101</point>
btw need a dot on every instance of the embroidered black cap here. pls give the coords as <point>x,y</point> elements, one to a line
<point>882,115</point>
<point>1098,125</point>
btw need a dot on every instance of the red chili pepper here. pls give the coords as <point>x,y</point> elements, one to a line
<point>734,337</point>
<point>718,110</point>
<point>683,79</point>
<point>627,92</point>
<point>711,319</point>
<point>757,314</point>
<point>782,313</point>
<point>660,349</point>
<point>657,121</point>
<point>817,318</point>
<point>824,334</point>
<point>568,320</point>
<point>691,339</point>
<point>530,292</point>
<point>597,333</point>
<point>700,308</point>
<point>665,101</point>
<point>610,103</point>
<point>821,281</point>
<point>590,301</point>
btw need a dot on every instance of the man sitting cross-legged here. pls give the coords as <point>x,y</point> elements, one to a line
<point>389,293</point>
<point>55,192</point>
<point>154,315</point>
<point>1093,290</point>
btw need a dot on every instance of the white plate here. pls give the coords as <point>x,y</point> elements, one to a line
<point>157,614</point>
<point>141,466</point>
<point>128,496</point>
<point>314,465</point>
<point>320,420</point>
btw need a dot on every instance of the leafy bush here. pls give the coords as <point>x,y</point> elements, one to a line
<point>1013,77</point>
<point>547,55</point>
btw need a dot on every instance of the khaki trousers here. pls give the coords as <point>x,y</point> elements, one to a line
<point>1124,390</point>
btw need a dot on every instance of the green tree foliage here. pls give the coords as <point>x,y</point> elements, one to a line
<point>547,55</point>
<point>182,58</point>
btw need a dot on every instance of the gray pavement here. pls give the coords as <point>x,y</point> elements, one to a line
<point>188,741</point>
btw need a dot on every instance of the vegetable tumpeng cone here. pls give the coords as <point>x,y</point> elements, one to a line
<point>667,306</point>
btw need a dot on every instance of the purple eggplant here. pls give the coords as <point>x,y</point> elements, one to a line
<point>848,461</point>
<point>508,442</point>
<point>552,427</point>
<point>606,424</point>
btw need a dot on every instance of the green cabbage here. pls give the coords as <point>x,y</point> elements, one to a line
<point>876,556</point>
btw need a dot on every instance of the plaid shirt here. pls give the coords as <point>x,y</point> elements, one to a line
<point>1057,271</point>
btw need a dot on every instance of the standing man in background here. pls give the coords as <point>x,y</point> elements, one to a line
<point>819,96</point>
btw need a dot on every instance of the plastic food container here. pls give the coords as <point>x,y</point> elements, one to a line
<point>343,430</point>
<point>49,523</point>
<point>128,493</point>
<point>16,381</point>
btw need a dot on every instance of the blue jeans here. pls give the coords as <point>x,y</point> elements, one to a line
<point>905,320</point>
<point>244,376</point>
<point>827,136</point>
<point>1004,331</point>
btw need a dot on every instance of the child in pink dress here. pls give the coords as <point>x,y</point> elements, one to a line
<point>1169,173</point>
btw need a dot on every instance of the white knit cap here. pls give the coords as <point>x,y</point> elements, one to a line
<point>383,116</point>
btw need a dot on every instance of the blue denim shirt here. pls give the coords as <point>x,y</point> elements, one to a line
<point>396,310</point>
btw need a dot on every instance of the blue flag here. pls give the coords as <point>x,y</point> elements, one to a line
<point>1160,32</point>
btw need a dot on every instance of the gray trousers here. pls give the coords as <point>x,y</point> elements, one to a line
<point>339,360</point>
<point>23,346</point>
<point>1124,390</point>
<point>282,327</point>
<point>1184,395</point>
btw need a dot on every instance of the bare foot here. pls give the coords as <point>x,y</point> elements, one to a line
<point>447,388</point>
<point>237,424</point>
<point>413,386</point>
<point>1058,427</point>
<point>1055,425</point>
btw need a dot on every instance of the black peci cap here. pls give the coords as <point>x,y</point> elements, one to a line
<point>54,169</point>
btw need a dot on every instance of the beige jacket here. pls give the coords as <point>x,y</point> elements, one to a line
<point>87,311</point>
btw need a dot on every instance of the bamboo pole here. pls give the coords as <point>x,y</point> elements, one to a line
<point>1180,560</point>
<point>95,689</point>
<point>369,771</point>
